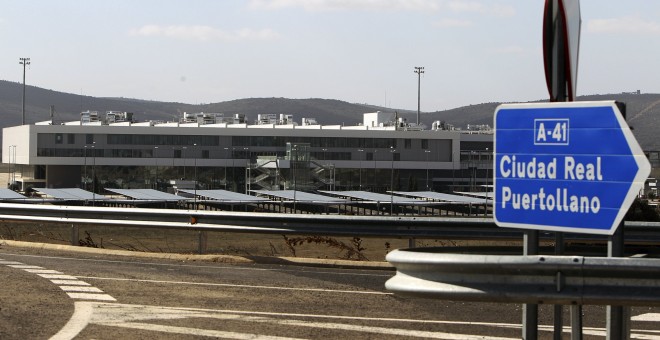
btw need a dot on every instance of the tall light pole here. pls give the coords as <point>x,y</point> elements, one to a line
<point>85,168</point>
<point>24,62</point>
<point>195,172</point>
<point>184,153</point>
<point>325,167</point>
<point>487,189</point>
<point>93,174</point>
<point>427,168</point>
<point>248,170</point>
<point>360,153</point>
<point>419,71</point>
<point>294,156</point>
<point>226,157</point>
<point>374,157</point>
<point>392,151</point>
<point>156,161</point>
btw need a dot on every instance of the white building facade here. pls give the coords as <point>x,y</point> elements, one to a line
<point>241,157</point>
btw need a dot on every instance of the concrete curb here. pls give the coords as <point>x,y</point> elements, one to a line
<point>231,259</point>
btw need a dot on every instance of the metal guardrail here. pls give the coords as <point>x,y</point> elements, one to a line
<point>312,224</point>
<point>565,280</point>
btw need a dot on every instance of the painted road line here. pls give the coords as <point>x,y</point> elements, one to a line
<point>370,273</point>
<point>197,331</point>
<point>43,271</point>
<point>9,263</point>
<point>24,266</point>
<point>91,296</point>
<point>58,276</point>
<point>239,286</point>
<point>70,282</point>
<point>73,287</point>
<point>81,289</point>
<point>652,317</point>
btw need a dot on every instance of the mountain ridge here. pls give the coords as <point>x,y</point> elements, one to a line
<point>643,110</point>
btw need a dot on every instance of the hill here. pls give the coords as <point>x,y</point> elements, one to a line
<point>643,110</point>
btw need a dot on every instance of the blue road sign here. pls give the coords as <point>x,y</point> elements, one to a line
<point>570,167</point>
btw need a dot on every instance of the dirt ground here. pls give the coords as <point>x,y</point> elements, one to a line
<point>186,242</point>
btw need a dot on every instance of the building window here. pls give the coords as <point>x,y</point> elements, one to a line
<point>407,143</point>
<point>177,153</point>
<point>70,138</point>
<point>58,138</point>
<point>370,156</point>
<point>425,144</point>
<point>205,154</point>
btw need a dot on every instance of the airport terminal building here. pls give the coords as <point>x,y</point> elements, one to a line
<point>211,151</point>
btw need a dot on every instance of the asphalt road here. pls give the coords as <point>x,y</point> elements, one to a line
<point>61,295</point>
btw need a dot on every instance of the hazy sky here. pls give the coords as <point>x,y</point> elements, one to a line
<point>360,51</point>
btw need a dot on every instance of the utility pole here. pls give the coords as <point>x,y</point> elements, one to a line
<point>24,62</point>
<point>419,70</point>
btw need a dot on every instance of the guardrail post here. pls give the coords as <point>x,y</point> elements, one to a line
<point>202,241</point>
<point>576,322</point>
<point>75,235</point>
<point>530,311</point>
<point>618,317</point>
<point>559,309</point>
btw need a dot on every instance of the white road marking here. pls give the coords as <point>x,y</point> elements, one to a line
<point>43,271</point>
<point>151,318</point>
<point>73,287</point>
<point>58,276</point>
<point>24,266</point>
<point>70,282</point>
<point>239,286</point>
<point>654,317</point>
<point>369,272</point>
<point>81,289</point>
<point>82,313</point>
<point>91,296</point>
<point>9,263</point>
<point>197,331</point>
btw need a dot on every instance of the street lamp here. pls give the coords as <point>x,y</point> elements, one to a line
<point>248,172</point>
<point>183,155</point>
<point>487,189</point>
<point>325,167</point>
<point>419,71</point>
<point>156,161</point>
<point>93,174</point>
<point>85,167</point>
<point>453,168</point>
<point>226,157</point>
<point>195,173</point>
<point>392,150</point>
<point>427,168</point>
<point>294,156</point>
<point>360,153</point>
<point>24,62</point>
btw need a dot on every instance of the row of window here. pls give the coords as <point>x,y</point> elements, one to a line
<point>203,154</point>
<point>238,141</point>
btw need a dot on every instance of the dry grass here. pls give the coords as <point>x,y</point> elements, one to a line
<point>186,242</point>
